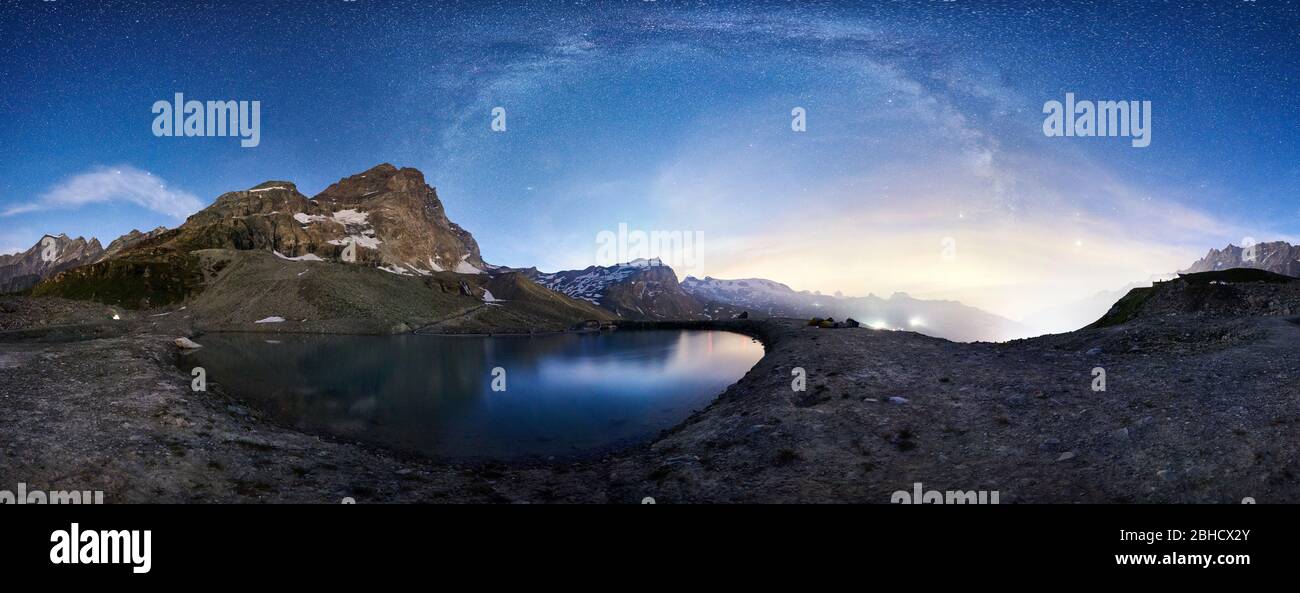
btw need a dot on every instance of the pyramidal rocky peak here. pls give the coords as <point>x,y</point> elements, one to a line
<point>407,217</point>
<point>386,217</point>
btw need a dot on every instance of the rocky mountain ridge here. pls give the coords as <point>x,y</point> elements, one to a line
<point>642,289</point>
<point>385,218</point>
<point>1278,257</point>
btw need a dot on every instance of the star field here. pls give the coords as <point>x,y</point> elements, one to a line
<point>924,122</point>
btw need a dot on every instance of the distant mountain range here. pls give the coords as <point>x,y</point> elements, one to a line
<point>648,289</point>
<point>53,254</point>
<point>391,221</point>
<point>945,319</point>
<point>21,271</point>
<point>640,289</point>
<point>1278,257</point>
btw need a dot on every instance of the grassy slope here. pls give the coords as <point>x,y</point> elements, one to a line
<point>142,280</point>
<point>1125,309</point>
<point>523,306</point>
<point>246,286</point>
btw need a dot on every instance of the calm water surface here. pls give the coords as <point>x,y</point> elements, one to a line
<point>566,395</point>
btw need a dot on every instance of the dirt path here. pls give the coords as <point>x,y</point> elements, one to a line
<point>462,316</point>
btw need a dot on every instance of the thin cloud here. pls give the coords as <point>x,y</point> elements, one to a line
<point>113,184</point>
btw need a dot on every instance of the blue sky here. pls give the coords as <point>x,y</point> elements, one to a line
<point>924,124</point>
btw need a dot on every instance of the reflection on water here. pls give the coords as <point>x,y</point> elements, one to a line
<point>565,394</point>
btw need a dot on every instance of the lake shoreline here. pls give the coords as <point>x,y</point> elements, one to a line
<point>213,446</point>
<point>478,399</point>
<point>1192,408</point>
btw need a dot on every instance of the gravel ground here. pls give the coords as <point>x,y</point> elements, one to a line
<point>1194,410</point>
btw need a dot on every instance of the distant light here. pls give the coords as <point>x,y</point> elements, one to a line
<point>116,317</point>
<point>878,324</point>
<point>916,322</point>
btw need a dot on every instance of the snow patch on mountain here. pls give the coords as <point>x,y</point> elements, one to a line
<point>744,289</point>
<point>305,257</point>
<point>395,270</point>
<point>464,267</point>
<point>350,216</point>
<point>359,240</point>
<point>643,263</point>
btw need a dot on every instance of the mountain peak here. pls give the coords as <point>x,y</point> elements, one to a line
<point>381,178</point>
<point>639,289</point>
<point>387,172</point>
<point>408,218</point>
<point>132,238</point>
<point>383,169</point>
<point>642,262</point>
<point>273,184</point>
<point>62,240</point>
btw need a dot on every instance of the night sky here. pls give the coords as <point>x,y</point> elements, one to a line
<point>924,124</point>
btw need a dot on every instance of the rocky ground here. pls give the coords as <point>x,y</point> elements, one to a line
<point>1195,410</point>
